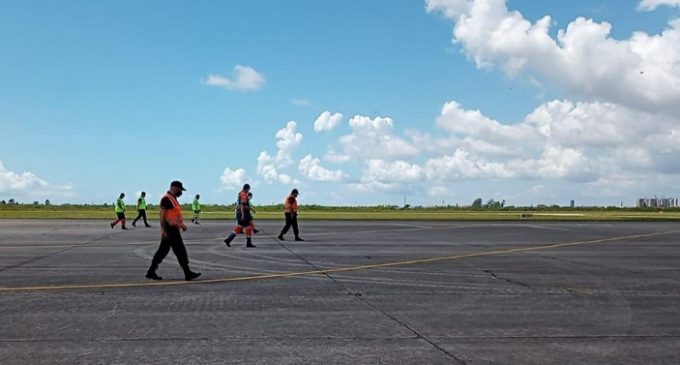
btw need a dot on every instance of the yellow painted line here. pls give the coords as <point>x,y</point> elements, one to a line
<point>332,270</point>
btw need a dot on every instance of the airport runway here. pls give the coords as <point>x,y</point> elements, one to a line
<point>73,292</point>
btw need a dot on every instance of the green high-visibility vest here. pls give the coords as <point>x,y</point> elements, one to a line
<point>120,206</point>
<point>142,203</point>
<point>195,205</point>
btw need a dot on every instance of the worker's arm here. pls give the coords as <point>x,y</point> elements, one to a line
<point>164,223</point>
<point>139,201</point>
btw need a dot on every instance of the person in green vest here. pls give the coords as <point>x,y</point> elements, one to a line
<point>119,208</point>
<point>196,207</point>
<point>141,210</point>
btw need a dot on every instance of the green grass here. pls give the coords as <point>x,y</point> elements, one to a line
<point>359,213</point>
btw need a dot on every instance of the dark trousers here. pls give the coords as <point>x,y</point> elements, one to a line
<point>173,241</point>
<point>141,214</point>
<point>291,221</point>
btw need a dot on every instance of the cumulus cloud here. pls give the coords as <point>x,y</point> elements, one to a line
<point>583,59</point>
<point>374,138</point>
<point>332,156</point>
<point>233,179</point>
<point>327,121</point>
<point>559,140</point>
<point>287,140</point>
<point>30,185</point>
<point>244,78</point>
<point>12,181</point>
<point>268,170</point>
<point>649,5</point>
<point>311,167</point>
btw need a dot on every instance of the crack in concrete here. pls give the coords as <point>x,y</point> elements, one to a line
<point>359,297</point>
<point>510,281</point>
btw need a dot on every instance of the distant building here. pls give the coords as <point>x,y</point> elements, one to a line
<point>658,203</point>
<point>573,204</point>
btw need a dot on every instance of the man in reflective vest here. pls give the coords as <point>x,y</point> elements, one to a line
<point>171,222</point>
<point>244,218</point>
<point>141,210</point>
<point>196,207</point>
<point>291,213</point>
<point>119,209</point>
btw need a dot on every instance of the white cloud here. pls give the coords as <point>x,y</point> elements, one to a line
<point>287,140</point>
<point>438,191</point>
<point>374,138</point>
<point>233,179</point>
<point>332,156</point>
<point>244,78</point>
<point>649,5</point>
<point>462,165</point>
<point>311,167</point>
<point>642,71</point>
<point>268,170</point>
<point>327,121</point>
<point>392,171</point>
<point>300,102</point>
<point>28,184</point>
<point>12,181</point>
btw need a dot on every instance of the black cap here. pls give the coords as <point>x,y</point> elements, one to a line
<point>246,186</point>
<point>295,191</point>
<point>178,184</point>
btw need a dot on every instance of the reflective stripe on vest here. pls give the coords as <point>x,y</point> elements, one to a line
<point>290,204</point>
<point>142,203</point>
<point>120,206</point>
<point>195,205</point>
<point>174,216</point>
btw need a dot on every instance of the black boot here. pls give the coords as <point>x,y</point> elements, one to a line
<point>190,275</point>
<point>280,237</point>
<point>151,274</point>
<point>228,240</point>
<point>249,242</point>
<point>298,239</point>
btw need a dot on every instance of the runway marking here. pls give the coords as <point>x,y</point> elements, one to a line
<point>331,270</point>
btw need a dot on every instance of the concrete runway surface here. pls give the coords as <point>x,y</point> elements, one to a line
<point>74,292</point>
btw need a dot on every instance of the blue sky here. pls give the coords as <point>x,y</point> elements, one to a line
<point>102,97</point>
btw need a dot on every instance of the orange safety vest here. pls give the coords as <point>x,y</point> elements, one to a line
<point>291,204</point>
<point>174,215</point>
<point>243,198</point>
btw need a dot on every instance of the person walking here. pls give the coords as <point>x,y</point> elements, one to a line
<point>119,209</point>
<point>141,210</point>
<point>243,218</point>
<point>171,223</point>
<point>196,207</point>
<point>291,214</point>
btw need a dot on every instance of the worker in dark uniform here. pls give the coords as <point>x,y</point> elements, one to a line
<point>291,214</point>
<point>119,209</point>
<point>171,222</point>
<point>141,210</point>
<point>243,218</point>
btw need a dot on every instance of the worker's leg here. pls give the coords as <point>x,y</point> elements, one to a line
<point>237,230</point>
<point>146,224</point>
<point>180,251</point>
<point>162,251</point>
<point>289,223</point>
<point>296,229</point>
<point>249,235</point>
